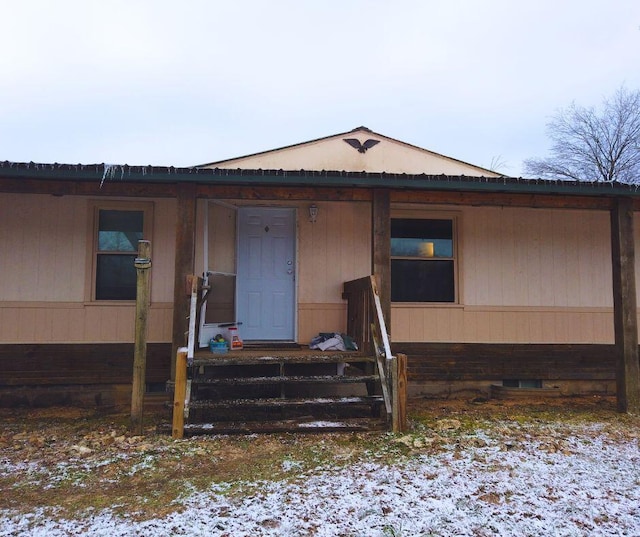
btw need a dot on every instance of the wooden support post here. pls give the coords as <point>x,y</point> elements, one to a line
<point>179,393</point>
<point>142,264</point>
<point>399,379</point>
<point>381,246</point>
<point>184,264</point>
<point>624,306</point>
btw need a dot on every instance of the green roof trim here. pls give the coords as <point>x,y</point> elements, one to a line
<point>219,176</point>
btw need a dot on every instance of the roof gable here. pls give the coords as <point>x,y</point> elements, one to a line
<point>358,150</point>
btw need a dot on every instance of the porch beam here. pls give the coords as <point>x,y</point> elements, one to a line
<point>381,248</point>
<point>87,188</point>
<point>184,265</point>
<point>283,193</point>
<point>498,199</point>
<point>67,187</point>
<point>624,306</point>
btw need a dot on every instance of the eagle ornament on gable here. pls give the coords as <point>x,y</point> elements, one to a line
<point>361,147</point>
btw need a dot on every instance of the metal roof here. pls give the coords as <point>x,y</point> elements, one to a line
<point>218,176</point>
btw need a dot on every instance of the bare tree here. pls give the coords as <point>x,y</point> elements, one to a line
<point>497,163</point>
<point>592,145</point>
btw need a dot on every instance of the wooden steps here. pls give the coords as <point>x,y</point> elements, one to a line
<point>308,425</point>
<point>288,403</point>
<point>289,387</point>
<point>287,379</point>
<point>276,390</point>
<point>266,356</point>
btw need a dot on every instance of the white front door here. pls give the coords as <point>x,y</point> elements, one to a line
<point>266,270</point>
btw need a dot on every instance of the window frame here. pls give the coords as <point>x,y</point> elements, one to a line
<point>146,207</point>
<point>455,218</point>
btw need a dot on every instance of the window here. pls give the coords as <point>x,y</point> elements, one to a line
<point>423,260</point>
<point>117,232</point>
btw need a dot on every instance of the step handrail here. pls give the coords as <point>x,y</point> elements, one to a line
<point>364,320</point>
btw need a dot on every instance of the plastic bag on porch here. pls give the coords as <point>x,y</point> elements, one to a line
<point>332,341</point>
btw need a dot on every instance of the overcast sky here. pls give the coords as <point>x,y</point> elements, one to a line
<point>186,82</point>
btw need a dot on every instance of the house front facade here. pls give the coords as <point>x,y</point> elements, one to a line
<point>485,279</point>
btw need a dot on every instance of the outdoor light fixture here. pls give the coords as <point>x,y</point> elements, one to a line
<point>313,213</point>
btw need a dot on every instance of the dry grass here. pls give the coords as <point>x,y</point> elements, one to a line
<point>69,461</point>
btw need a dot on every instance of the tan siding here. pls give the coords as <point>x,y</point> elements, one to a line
<point>55,322</point>
<point>46,238</point>
<point>161,323</point>
<point>27,329</point>
<point>163,250</point>
<point>502,325</point>
<point>9,325</point>
<point>416,322</point>
<point>334,249</point>
<point>510,281</point>
<point>536,257</point>
<point>491,288</point>
<point>519,293</point>
<point>536,330</point>
<point>312,267</point>
<point>315,318</point>
<point>44,266</point>
<point>527,276</point>
<point>42,237</point>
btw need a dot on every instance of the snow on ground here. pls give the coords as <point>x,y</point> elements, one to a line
<point>589,484</point>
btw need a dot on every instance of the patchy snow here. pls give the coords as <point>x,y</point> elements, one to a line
<point>583,484</point>
<point>323,424</point>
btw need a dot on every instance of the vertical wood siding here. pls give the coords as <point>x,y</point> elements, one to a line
<point>44,268</point>
<point>42,247</point>
<point>535,257</point>
<point>333,250</point>
<point>526,276</point>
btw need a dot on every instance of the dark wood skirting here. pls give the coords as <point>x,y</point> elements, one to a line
<point>489,361</point>
<point>112,363</point>
<point>95,363</point>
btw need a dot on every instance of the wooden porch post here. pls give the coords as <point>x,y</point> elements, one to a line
<point>381,246</point>
<point>184,265</point>
<point>142,264</point>
<point>624,306</point>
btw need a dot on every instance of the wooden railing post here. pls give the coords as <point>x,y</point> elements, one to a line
<point>142,264</point>
<point>179,393</point>
<point>399,383</point>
